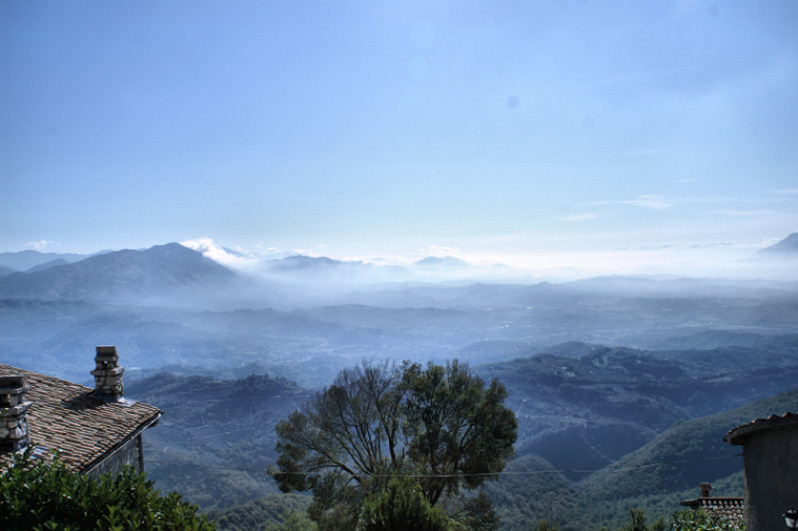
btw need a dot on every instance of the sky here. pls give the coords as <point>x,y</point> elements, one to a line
<point>620,135</point>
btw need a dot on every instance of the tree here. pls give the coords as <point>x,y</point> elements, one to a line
<point>440,426</point>
<point>637,522</point>
<point>401,507</point>
<point>41,494</point>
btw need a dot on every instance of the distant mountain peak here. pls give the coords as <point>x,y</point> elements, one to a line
<point>27,259</point>
<point>788,245</point>
<point>299,262</point>
<point>153,272</point>
<point>47,265</point>
<point>446,261</point>
<point>235,253</point>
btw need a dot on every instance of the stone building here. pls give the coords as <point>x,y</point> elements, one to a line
<point>770,460</point>
<point>94,430</point>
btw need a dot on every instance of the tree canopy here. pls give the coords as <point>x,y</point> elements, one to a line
<point>439,426</point>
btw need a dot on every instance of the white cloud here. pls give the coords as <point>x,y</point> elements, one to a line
<point>438,250</point>
<point>746,213</point>
<point>718,199</point>
<point>635,76</point>
<point>652,202</point>
<point>211,250</point>
<point>787,191</point>
<point>587,216</point>
<point>499,239</point>
<point>314,252</point>
<point>40,245</point>
<point>269,250</point>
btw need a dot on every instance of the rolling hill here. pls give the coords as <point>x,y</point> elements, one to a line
<point>591,404</point>
<point>216,437</point>
<point>25,260</point>
<point>152,274</point>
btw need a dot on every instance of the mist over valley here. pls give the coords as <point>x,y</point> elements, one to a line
<point>596,369</point>
<point>170,305</point>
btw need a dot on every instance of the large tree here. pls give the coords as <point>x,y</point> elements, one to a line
<point>440,426</point>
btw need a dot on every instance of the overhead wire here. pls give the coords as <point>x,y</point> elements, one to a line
<point>464,475</point>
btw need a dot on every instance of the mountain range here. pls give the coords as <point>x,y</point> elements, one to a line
<point>172,305</point>
<point>625,433</point>
<point>301,268</point>
<point>597,370</point>
<point>154,273</point>
<point>25,260</point>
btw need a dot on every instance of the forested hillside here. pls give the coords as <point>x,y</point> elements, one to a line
<point>575,455</point>
<point>216,437</point>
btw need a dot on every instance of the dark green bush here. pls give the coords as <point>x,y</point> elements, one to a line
<point>42,494</point>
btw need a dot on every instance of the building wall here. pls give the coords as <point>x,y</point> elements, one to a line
<point>129,454</point>
<point>771,477</point>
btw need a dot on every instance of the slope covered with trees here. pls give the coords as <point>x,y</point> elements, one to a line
<point>216,438</point>
<point>654,478</point>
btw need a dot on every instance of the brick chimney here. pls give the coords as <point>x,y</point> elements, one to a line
<point>108,375</point>
<point>13,425</point>
<point>705,489</point>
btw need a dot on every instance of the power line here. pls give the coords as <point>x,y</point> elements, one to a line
<point>480,474</point>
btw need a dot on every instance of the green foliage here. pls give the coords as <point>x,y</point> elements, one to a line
<point>336,503</point>
<point>295,521</point>
<point>39,494</point>
<point>478,513</point>
<point>401,506</point>
<point>439,424</point>
<point>685,520</point>
<point>200,408</point>
<point>455,426</point>
<point>699,520</point>
<point>533,491</point>
<point>637,522</point>
<point>660,466</point>
<point>269,513</point>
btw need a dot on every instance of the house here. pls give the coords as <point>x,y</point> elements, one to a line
<point>94,430</point>
<point>770,461</point>
<point>729,508</point>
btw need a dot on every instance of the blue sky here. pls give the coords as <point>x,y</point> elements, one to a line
<point>505,131</point>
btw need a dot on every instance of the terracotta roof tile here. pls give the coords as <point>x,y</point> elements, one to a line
<point>727,508</point>
<point>64,416</point>
<point>735,435</point>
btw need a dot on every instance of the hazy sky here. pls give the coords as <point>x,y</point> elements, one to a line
<point>498,130</point>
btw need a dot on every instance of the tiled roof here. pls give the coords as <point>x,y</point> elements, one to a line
<point>773,422</point>
<point>729,508</point>
<point>65,417</point>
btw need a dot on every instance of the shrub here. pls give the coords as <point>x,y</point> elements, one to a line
<point>42,494</point>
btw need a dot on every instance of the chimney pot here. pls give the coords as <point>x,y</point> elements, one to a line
<point>107,352</point>
<point>705,488</point>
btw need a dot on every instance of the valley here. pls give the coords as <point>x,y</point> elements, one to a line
<point>604,375</point>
